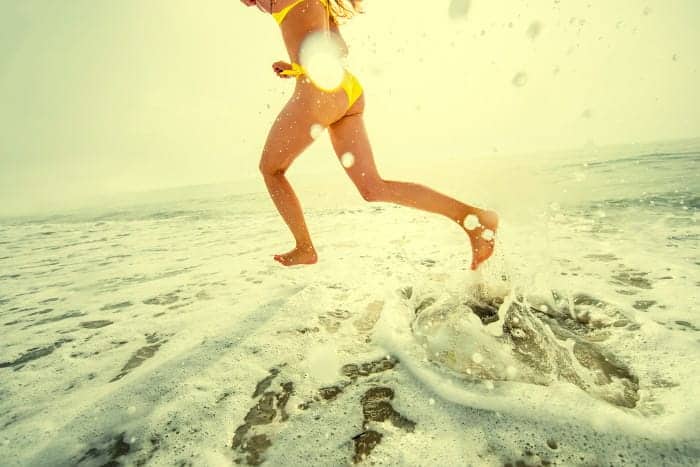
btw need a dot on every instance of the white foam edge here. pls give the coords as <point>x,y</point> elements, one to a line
<point>393,334</point>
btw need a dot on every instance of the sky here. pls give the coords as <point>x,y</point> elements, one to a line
<point>100,97</point>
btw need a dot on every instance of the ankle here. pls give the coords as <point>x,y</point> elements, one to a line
<point>305,247</point>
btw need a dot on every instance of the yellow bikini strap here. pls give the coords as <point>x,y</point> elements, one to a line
<point>296,71</point>
<point>280,15</point>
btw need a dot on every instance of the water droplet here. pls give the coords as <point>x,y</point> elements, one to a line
<point>534,30</point>
<point>471,222</point>
<point>487,234</point>
<point>477,358</point>
<point>459,8</point>
<point>520,79</point>
<point>348,160</point>
<point>316,130</point>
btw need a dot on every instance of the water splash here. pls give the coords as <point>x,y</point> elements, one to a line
<point>321,57</point>
<point>535,340</point>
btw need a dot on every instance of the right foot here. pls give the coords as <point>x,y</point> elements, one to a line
<point>299,255</point>
<point>482,237</point>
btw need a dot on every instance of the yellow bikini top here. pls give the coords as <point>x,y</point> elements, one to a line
<point>280,15</point>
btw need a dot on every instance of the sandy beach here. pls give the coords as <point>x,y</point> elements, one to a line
<point>164,334</point>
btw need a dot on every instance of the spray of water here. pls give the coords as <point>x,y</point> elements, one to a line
<point>321,57</point>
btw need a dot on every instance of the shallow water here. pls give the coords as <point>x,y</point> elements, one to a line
<point>164,334</point>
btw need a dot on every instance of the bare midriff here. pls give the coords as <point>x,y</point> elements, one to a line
<point>310,16</point>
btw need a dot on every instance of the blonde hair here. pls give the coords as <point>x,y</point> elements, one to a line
<point>342,10</point>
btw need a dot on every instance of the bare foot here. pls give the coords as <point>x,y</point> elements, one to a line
<point>482,237</point>
<point>299,255</point>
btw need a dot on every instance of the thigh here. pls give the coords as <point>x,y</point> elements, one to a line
<point>292,131</point>
<point>351,145</point>
<point>289,135</point>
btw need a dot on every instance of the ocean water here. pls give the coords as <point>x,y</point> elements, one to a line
<point>163,333</point>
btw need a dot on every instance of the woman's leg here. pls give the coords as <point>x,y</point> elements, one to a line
<point>288,137</point>
<point>348,135</point>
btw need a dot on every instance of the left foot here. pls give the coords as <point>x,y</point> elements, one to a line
<point>482,237</point>
<point>299,255</point>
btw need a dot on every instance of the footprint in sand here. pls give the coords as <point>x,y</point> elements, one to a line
<point>376,405</point>
<point>332,320</point>
<point>369,318</point>
<point>250,439</point>
<point>377,408</point>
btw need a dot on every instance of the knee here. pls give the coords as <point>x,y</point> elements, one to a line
<point>270,169</point>
<point>372,190</point>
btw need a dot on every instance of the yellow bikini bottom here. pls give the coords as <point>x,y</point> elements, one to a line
<point>350,84</point>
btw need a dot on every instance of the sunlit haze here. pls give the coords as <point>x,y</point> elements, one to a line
<point>108,97</point>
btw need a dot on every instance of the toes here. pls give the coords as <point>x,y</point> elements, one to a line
<point>280,259</point>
